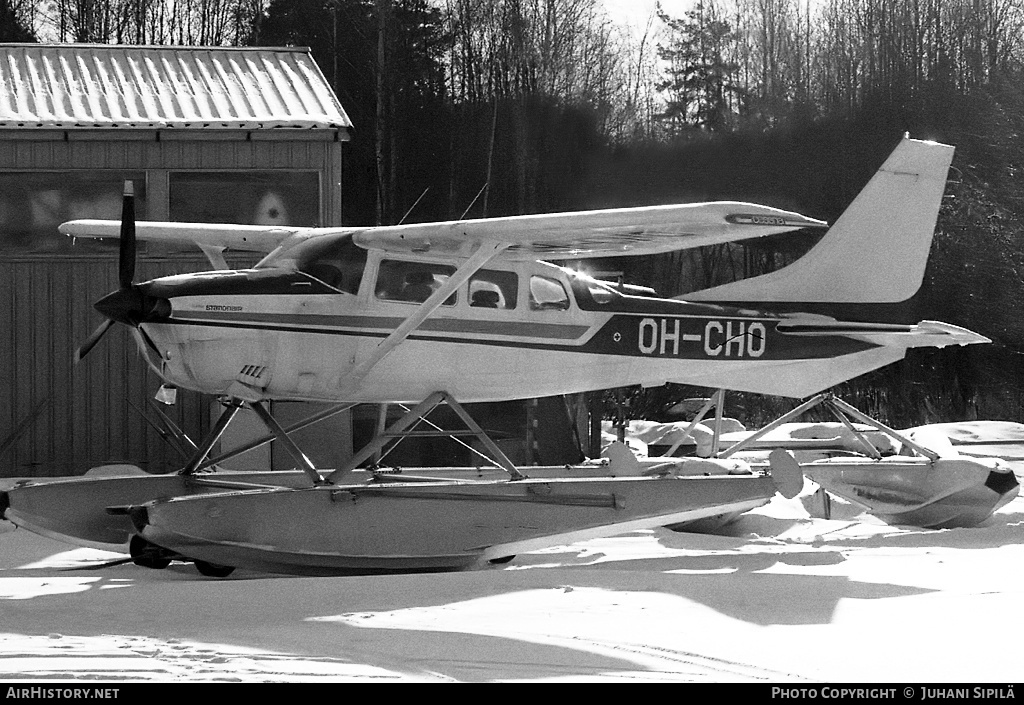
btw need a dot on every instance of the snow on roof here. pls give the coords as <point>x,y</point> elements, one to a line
<point>104,86</point>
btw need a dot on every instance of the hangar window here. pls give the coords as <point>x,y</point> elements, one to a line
<point>33,204</point>
<point>247,197</point>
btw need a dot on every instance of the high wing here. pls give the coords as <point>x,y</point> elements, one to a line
<point>250,238</point>
<point>596,233</point>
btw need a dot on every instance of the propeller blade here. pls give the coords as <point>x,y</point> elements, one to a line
<point>91,341</point>
<point>126,258</point>
<point>149,341</point>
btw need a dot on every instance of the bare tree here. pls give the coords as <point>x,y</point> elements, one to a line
<point>183,22</point>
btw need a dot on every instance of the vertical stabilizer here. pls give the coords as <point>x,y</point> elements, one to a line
<point>876,252</point>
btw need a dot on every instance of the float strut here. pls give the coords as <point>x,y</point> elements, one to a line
<point>807,405</point>
<point>381,439</point>
<point>289,444</point>
<point>207,443</point>
<point>411,417</point>
<point>263,440</point>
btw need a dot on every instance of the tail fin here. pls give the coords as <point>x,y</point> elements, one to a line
<point>876,252</point>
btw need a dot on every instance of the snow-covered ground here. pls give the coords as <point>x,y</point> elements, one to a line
<point>783,597</point>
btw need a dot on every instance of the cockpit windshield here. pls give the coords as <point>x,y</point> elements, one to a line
<point>332,259</point>
<point>589,289</point>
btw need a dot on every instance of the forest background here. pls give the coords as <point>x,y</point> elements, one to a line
<point>474,108</point>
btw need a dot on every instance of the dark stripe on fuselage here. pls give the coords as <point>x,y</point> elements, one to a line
<point>329,323</point>
<point>280,282</point>
<point>901,313</point>
<point>693,338</point>
<point>637,327</point>
<point>906,312</point>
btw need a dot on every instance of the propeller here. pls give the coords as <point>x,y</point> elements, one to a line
<point>130,303</point>
<point>126,249</point>
<point>93,338</point>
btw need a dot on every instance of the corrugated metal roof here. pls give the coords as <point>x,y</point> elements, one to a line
<point>97,86</point>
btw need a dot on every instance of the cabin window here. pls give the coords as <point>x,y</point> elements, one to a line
<point>337,262</point>
<point>547,294</point>
<point>491,288</point>
<point>411,281</point>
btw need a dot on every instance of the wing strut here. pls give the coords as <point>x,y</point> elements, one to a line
<point>214,253</point>
<point>230,409</point>
<point>483,254</point>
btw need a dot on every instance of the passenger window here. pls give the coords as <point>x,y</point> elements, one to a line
<point>411,281</point>
<point>547,294</point>
<point>490,288</point>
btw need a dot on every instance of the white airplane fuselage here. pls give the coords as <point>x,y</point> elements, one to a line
<point>276,334</point>
<point>395,313</point>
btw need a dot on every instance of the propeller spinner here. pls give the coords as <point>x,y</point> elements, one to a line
<point>130,304</point>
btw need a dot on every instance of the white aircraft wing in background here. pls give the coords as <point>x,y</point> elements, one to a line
<point>596,233</point>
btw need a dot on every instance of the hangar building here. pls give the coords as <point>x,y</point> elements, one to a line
<point>242,135</point>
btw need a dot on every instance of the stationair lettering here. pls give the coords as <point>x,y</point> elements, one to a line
<point>719,338</point>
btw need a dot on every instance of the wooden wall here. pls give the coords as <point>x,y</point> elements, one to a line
<point>76,417</point>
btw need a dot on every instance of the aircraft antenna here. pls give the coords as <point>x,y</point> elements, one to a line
<point>473,202</point>
<point>414,205</point>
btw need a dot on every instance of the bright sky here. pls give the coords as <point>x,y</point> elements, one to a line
<point>637,12</point>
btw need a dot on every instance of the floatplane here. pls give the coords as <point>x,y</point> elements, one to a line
<point>936,476</point>
<point>472,311</point>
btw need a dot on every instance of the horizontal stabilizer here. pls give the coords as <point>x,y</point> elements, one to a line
<point>923,334</point>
